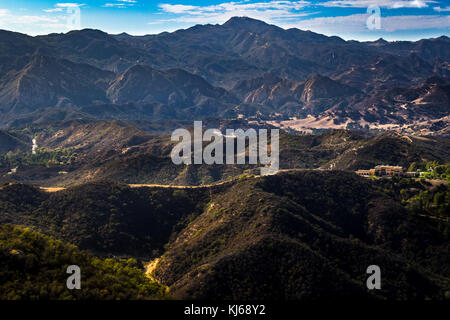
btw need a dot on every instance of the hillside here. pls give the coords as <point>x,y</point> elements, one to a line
<point>33,267</point>
<point>75,152</point>
<point>303,236</point>
<point>105,217</point>
<point>87,175</point>
<point>11,142</point>
<point>300,235</point>
<point>176,89</point>
<point>47,82</point>
<point>391,149</point>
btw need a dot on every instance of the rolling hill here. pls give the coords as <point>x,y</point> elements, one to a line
<point>75,152</point>
<point>299,235</point>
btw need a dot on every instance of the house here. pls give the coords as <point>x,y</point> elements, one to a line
<point>383,171</point>
<point>366,173</point>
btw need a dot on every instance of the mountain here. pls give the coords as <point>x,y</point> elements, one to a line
<point>313,96</point>
<point>389,70</point>
<point>319,87</point>
<point>175,88</point>
<point>425,48</point>
<point>91,46</point>
<point>425,101</point>
<point>275,91</point>
<point>86,175</point>
<point>46,82</point>
<point>17,44</point>
<point>242,68</point>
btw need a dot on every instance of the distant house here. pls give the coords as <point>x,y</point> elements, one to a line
<point>384,171</point>
<point>366,173</point>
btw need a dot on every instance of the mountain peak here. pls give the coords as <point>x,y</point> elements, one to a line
<point>381,40</point>
<point>443,38</point>
<point>123,35</point>
<point>242,19</point>
<point>91,33</point>
<point>246,23</point>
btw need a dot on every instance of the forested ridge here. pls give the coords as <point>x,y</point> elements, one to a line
<point>33,267</point>
<point>297,235</point>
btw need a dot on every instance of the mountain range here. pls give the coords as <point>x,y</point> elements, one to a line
<point>86,175</point>
<point>243,68</point>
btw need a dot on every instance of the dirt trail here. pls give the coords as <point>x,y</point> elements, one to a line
<point>150,268</point>
<point>52,189</point>
<point>169,186</point>
<point>56,189</point>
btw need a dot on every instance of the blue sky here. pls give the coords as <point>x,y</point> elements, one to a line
<point>349,19</point>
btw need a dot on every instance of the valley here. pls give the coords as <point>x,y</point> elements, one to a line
<point>73,153</point>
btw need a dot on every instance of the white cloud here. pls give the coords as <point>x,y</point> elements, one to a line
<point>412,4</point>
<point>332,25</point>
<point>61,6</point>
<point>8,18</point>
<point>177,8</point>
<point>69,5</point>
<point>33,19</point>
<point>410,22</point>
<point>439,9</point>
<point>277,12</point>
<point>120,4</point>
<point>393,4</point>
<point>53,10</point>
<point>33,24</point>
<point>357,23</point>
<point>272,11</point>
